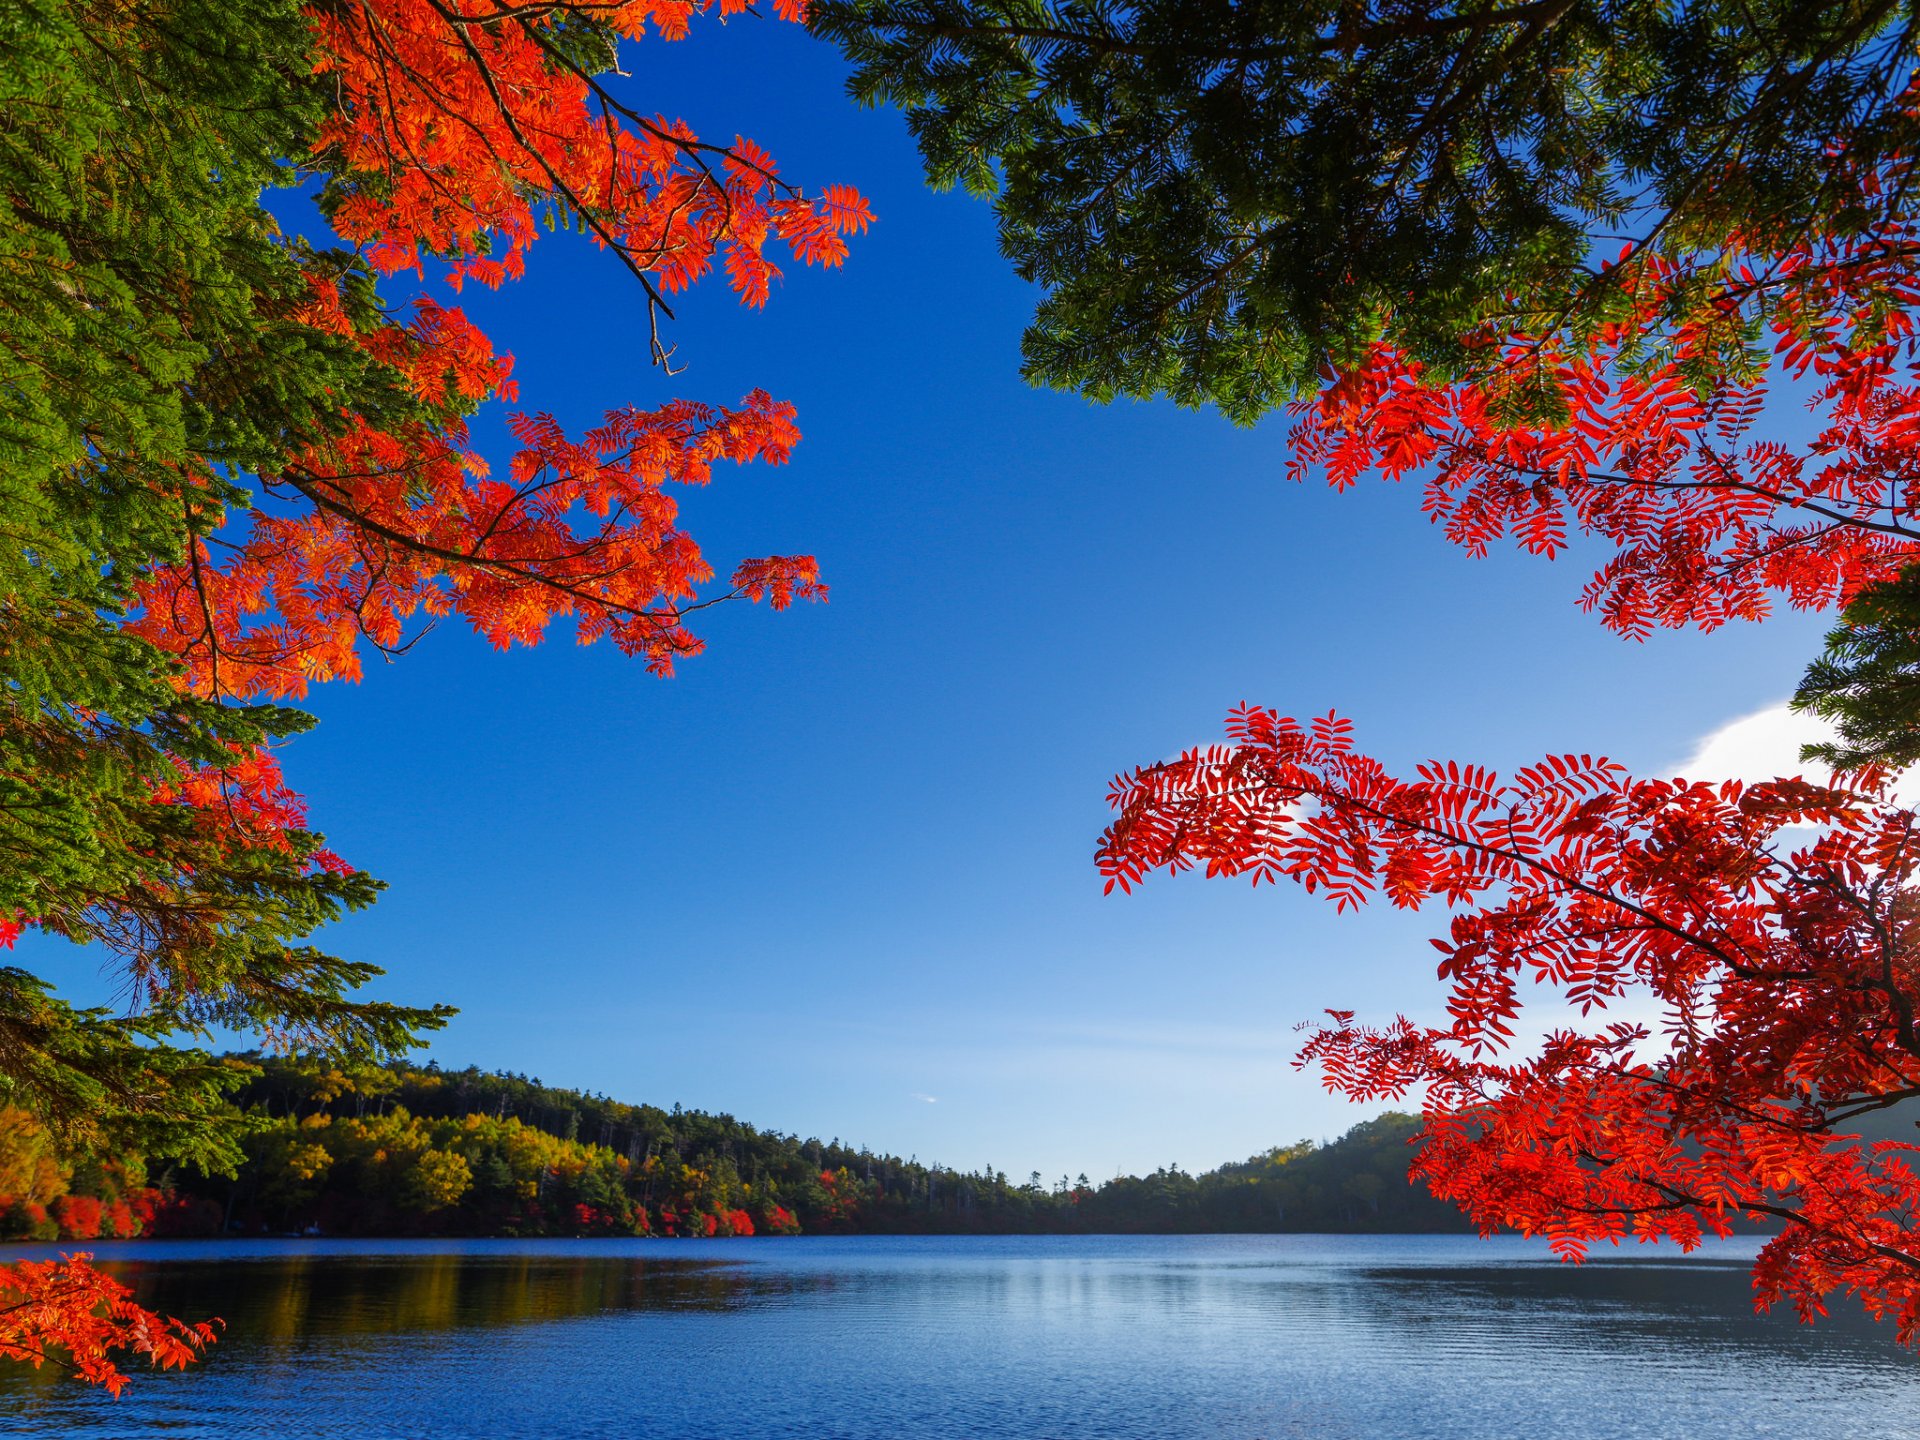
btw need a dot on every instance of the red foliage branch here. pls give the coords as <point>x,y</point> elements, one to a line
<point>1637,432</point>
<point>67,1313</point>
<point>1771,928</point>
<point>244,804</point>
<point>456,123</point>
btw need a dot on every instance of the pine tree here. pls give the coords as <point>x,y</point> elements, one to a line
<point>1226,200</point>
<point>1868,680</point>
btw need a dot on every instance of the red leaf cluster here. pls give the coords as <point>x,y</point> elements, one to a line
<point>67,1313</point>
<point>1760,938</point>
<point>457,124</point>
<point>1645,444</point>
<point>457,119</point>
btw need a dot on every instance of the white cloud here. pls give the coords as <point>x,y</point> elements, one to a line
<point>926,1099</point>
<point>1755,747</point>
<point>1766,744</point>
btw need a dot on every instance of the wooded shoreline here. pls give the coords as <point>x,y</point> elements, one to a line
<point>408,1151</point>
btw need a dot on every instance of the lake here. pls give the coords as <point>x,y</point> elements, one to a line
<point>874,1338</point>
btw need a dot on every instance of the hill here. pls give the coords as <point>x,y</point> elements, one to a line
<point>416,1150</point>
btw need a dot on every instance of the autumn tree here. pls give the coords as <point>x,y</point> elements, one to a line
<point>234,460</point>
<point>1770,927</point>
<point>1551,261</point>
<point>1767,926</point>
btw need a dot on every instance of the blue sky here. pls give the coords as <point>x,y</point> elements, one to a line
<point>836,876</point>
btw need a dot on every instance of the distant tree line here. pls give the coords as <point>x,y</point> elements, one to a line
<point>410,1150</point>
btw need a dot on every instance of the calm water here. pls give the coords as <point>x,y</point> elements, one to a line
<point>875,1339</point>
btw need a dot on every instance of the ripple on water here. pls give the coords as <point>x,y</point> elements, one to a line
<point>1106,1338</point>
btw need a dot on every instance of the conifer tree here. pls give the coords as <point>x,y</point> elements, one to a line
<point>1226,201</point>
<point>1868,680</point>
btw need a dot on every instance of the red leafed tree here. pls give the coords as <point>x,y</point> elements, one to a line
<point>314,457</point>
<point>1671,1003</point>
<point>68,1314</point>
<point>456,126</point>
<point>1640,432</point>
<point>1760,937</point>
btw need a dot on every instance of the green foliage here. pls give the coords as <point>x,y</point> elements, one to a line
<point>102,1081</point>
<point>1358,1182</point>
<point>1868,680</point>
<point>211,930</point>
<point>149,354</point>
<point>1223,198</point>
<point>401,1149</point>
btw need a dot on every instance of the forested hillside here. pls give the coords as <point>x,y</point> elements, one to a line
<point>404,1150</point>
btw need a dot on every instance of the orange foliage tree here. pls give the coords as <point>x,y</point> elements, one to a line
<point>454,127</point>
<point>1388,216</point>
<point>239,465</point>
<point>1762,937</point>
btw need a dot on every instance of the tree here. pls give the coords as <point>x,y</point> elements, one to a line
<point>1226,200</point>
<point>1758,153</point>
<point>1868,681</point>
<point>1785,969</point>
<point>1549,259</point>
<point>1782,961</point>
<point>231,461</point>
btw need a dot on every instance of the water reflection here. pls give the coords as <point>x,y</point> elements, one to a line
<point>1440,1338</point>
<point>272,1303</point>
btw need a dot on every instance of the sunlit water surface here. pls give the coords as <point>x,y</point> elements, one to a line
<point>873,1338</point>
